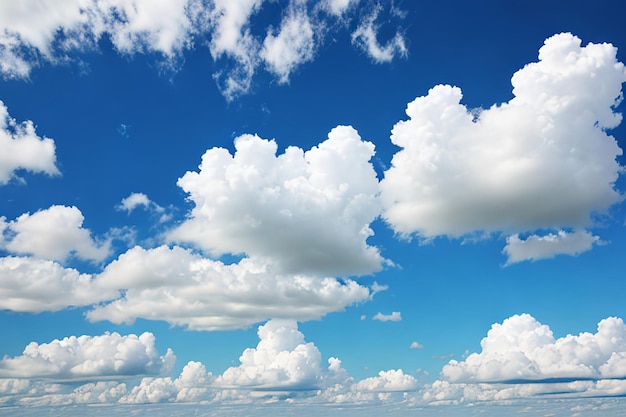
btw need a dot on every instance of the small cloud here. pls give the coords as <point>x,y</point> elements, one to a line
<point>416,345</point>
<point>363,317</point>
<point>537,247</point>
<point>395,316</point>
<point>135,200</point>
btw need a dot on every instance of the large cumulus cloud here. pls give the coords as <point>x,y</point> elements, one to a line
<point>307,212</point>
<point>542,160</point>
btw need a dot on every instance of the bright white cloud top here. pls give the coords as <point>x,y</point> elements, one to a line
<point>522,349</point>
<point>463,171</point>
<point>306,212</point>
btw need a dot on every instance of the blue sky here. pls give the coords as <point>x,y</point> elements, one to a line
<point>372,204</point>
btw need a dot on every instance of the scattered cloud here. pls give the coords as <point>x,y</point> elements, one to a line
<point>21,148</point>
<point>317,205</point>
<point>416,345</point>
<point>31,33</point>
<point>292,45</point>
<point>366,38</point>
<point>394,316</point>
<point>55,234</point>
<point>537,247</point>
<point>338,7</point>
<point>135,200</point>
<point>461,172</point>
<point>185,289</point>
<point>87,357</point>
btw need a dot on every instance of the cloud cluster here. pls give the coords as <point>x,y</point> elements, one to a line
<point>32,31</point>
<point>185,289</point>
<point>543,160</point>
<point>54,233</point>
<point>87,357</point>
<point>522,349</point>
<point>21,148</point>
<point>307,212</point>
<point>281,360</point>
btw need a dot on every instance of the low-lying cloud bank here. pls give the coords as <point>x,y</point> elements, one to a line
<point>520,358</point>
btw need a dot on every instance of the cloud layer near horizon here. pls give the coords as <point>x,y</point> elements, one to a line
<point>284,366</point>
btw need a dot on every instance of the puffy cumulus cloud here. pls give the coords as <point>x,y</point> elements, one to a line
<point>188,290</point>
<point>316,205</point>
<point>54,233</point>
<point>537,247</point>
<point>522,349</point>
<point>89,357</point>
<point>21,148</point>
<point>394,316</point>
<point>292,45</point>
<point>282,360</point>
<point>543,160</point>
<point>391,380</point>
<point>416,345</point>
<point>36,285</point>
<point>366,38</point>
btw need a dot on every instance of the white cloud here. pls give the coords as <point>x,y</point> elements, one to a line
<point>32,29</point>
<point>158,25</point>
<point>416,345</point>
<point>391,380</point>
<point>338,7</point>
<point>32,32</point>
<point>34,285</point>
<point>21,148</point>
<point>89,357</point>
<point>133,201</point>
<point>536,247</point>
<point>188,290</point>
<point>293,45</point>
<point>316,205</point>
<point>541,160</point>
<point>54,233</point>
<point>366,37</point>
<point>522,349</point>
<point>282,360</point>
<point>394,316</point>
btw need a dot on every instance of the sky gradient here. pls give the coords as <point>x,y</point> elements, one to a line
<point>380,207</point>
